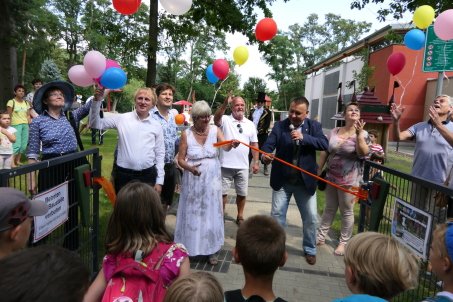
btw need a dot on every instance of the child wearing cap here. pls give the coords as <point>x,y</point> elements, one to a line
<point>440,257</point>
<point>16,211</point>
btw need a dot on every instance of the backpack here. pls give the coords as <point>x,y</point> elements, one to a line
<point>137,279</point>
<point>236,296</point>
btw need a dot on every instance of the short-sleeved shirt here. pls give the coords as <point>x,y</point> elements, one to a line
<point>170,133</point>
<point>344,165</point>
<point>432,152</point>
<point>6,146</point>
<point>20,112</point>
<point>237,158</point>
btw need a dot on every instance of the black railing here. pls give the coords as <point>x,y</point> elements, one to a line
<point>404,206</point>
<point>80,232</point>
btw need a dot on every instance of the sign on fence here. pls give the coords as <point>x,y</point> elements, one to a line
<point>437,55</point>
<point>411,226</point>
<point>57,200</point>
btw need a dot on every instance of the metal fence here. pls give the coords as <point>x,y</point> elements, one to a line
<point>80,232</point>
<point>404,206</point>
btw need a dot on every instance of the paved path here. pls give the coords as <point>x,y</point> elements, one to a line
<point>296,281</point>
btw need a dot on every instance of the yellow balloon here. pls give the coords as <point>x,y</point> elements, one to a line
<point>240,55</point>
<point>423,16</point>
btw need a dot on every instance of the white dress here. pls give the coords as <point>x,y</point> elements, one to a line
<point>199,222</point>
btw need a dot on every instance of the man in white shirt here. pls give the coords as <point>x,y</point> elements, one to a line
<point>141,148</point>
<point>235,163</point>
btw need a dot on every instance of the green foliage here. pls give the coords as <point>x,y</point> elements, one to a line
<point>49,71</point>
<point>252,87</point>
<point>124,101</point>
<point>396,8</point>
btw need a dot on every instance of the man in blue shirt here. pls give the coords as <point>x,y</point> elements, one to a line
<point>162,113</point>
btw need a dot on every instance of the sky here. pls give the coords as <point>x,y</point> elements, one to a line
<point>296,11</point>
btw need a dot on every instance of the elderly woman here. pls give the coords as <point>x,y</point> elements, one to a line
<point>199,223</point>
<point>54,132</point>
<point>348,145</point>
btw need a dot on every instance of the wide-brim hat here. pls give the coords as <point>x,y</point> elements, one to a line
<point>68,91</point>
<point>261,97</point>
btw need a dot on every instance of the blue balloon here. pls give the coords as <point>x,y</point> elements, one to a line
<point>113,78</point>
<point>414,39</point>
<point>211,76</point>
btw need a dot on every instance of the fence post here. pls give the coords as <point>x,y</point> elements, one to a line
<point>97,159</point>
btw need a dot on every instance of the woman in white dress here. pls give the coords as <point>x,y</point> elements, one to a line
<point>199,223</point>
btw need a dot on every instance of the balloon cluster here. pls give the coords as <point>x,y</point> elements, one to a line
<point>265,30</point>
<point>96,69</point>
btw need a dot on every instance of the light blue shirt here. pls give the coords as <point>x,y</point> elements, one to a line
<point>170,133</point>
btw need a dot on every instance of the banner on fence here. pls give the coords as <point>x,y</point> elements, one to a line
<point>57,200</point>
<point>411,226</point>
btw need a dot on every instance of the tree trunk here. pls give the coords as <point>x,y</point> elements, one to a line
<point>152,42</point>
<point>8,63</point>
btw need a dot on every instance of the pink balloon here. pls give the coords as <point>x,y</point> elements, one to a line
<point>79,76</point>
<point>94,63</point>
<point>221,68</point>
<point>111,63</point>
<point>443,27</point>
<point>396,62</point>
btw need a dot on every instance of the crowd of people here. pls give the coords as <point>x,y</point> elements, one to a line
<point>212,157</point>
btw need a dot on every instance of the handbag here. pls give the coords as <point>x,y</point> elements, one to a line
<point>441,199</point>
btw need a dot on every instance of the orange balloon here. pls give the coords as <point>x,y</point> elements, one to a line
<point>179,119</point>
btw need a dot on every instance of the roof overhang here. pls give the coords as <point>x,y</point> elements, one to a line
<point>374,38</point>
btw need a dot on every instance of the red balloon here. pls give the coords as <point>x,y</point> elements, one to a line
<point>127,7</point>
<point>396,62</point>
<point>221,68</point>
<point>266,29</point>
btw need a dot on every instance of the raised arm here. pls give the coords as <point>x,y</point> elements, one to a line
<point>221,111</point>
<point>396,115</point>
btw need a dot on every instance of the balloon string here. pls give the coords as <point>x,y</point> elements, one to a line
<point>217,90</point>
<point>410,80</point>
<point>356,191</point>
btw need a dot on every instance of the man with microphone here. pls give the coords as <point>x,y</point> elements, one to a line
<point>296,140</point>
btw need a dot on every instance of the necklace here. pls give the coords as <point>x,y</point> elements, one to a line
<point>200,133</point>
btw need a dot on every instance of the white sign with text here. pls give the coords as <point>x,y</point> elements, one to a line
<point>57,200</point>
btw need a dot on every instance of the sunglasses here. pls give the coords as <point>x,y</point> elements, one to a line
<point>240,128</point>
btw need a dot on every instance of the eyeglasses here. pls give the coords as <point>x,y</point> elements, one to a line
<point>56,94</point>
<point>240,128</point>
<point>141,98</point>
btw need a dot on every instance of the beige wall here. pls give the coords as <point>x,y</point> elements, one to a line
<point>447,88</point>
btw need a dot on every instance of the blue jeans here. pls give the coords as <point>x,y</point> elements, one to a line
<point>307,208</point>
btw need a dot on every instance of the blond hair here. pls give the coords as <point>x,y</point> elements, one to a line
<point>196,287</point>
<point>381,266</point>
<point>438,239</point>
<point>150,92</point>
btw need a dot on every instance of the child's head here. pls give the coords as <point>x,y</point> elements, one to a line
<point>44,273</point>
<point>198,286</point>
<point>5,119</point>
<point>137,221</point>
<point>378,265</point>
<point>377,158</point>
<point>260,246</point>
<point>441,251</point>
<point>16,211</point>
<point>374,135</point>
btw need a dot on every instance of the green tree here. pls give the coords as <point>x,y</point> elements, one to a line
<point>50,71</point>
<point>228,15</point>
<point>252,87</point>
<point>396,8</point>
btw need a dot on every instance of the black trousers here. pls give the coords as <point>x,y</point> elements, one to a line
<point>261,140</point>
<point>168,189</point>
<point>124,176</point>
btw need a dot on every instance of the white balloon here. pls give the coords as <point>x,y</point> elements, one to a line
<point>176,7</point>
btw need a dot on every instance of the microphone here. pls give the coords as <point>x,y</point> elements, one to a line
<point>292,128</point>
